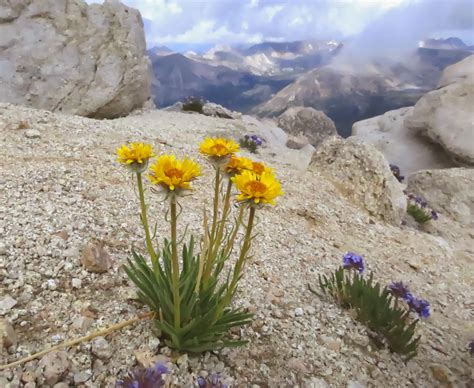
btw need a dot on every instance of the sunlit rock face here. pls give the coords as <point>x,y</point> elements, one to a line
<point>65,55</point>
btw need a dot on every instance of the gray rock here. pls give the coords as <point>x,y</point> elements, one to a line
<point>32,134</point>
<point>216,110</point>
<point>6,304</point>
<point>101,348</point>
<point>459,72</point>
<point>8,336</point>
<point>446,117</point>
<point>54,366</point>
<point>449,191</point>
<point>398,144</point>
<point>362,174</point>
<point>306,125</point>
<point>65,55</point>
<point>95,258</point>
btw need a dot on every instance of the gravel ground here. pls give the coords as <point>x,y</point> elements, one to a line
<point>61,189</point>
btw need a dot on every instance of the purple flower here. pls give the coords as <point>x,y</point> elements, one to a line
<point>434,215</point>
<point>144,378</point>
<point>399,290</point>
<point>419,306</point>
<point>211,381</point>
<point>256,140</point>
<point>396,172</point>
<point>353,261</point>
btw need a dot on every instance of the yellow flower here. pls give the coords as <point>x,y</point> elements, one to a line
<point>172,173</point>
<point>237,164</point>
<point>218,147</point>
<point>257,188</point>
<point>259,168</point>
<point>135,153</point>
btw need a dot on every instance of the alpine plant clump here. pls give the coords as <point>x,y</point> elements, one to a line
<point>189,286</point>
<point>251,142</point>
<point>377,307</point>
<point>419,210</point>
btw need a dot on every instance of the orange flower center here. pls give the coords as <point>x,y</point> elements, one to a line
<point>174,173</point>
<point>219,148</point>
<point>255,187</point>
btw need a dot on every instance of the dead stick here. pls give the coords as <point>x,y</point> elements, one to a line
<point>68,344</point>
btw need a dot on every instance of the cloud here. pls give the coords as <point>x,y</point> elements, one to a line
<point>248,21</point>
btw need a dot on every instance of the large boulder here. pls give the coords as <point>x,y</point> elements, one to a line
<point>446,117</point>
<point>307,125</point>
<point>459,72</point>
<point>65,55</point>
<point>363,175</point>
<point>449,191</point>
<point>400,146</point>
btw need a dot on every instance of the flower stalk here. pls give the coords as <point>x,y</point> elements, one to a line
<point>144,218</point>
<point>175,263</point>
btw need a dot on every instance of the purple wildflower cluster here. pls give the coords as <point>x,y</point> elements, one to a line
<point>396,172</point>
<point>144,378</point>
<point>353,261</point>
<point>211,381</point>
<point>419,306</point>
<point>420,204</point>
<point>257,140</point>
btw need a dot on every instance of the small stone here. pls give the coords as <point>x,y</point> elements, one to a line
<point>28,376</point>
<point>52,284</point>
<point>54,366</point>
<point>61,385</point>
<point>145,358</point>
<point>297,364</point>
<point>8,336</point>
<point>101,348</point>
<point>3,249</point>
<point>95,258</point>
<point>331,343</point>
<point>443,374</point>
<point>314,382</point>
<point>82,323</point>
<point>299,312</point>
<point>354,384</point>
<point>82,377</point>
<point>6,304</point>
<point>30,384</point>
<point>76,283</point>
<point>32,134</point>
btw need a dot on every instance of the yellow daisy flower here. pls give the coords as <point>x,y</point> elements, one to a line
<point>237,164</point>
<point>218,147</point>
<point>135,153</point>
<point>257,188</point>
<point>174,174</point>
<point>259,168</point>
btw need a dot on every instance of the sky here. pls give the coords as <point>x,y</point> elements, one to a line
<point>200,24</point>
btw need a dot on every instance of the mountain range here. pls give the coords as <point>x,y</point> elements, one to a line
<point>267,78</point>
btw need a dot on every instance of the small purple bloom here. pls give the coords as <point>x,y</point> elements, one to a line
<point>399,290</point>
<point>256,139</point>
<point>420,306</point>
<point>434,215</point>
<point>144,378</point>
<point>211,381</point>
<point>353,261</point>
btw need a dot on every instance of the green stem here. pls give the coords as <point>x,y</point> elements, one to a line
<point>175,263</point>
<point>144,219</point>
<point>241,260</point>
<point>221,226</point>
<point>216,204</point>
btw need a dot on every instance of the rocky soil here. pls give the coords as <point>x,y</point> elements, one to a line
<point>61,189</point>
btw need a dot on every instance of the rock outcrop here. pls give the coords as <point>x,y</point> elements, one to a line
<point>438,132</point>
<point>400,146</point>
<point>445,116</point>
<point>448,191</point>
<point>65,55</point>
<point>362,174</point>
<point>307,125</point>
